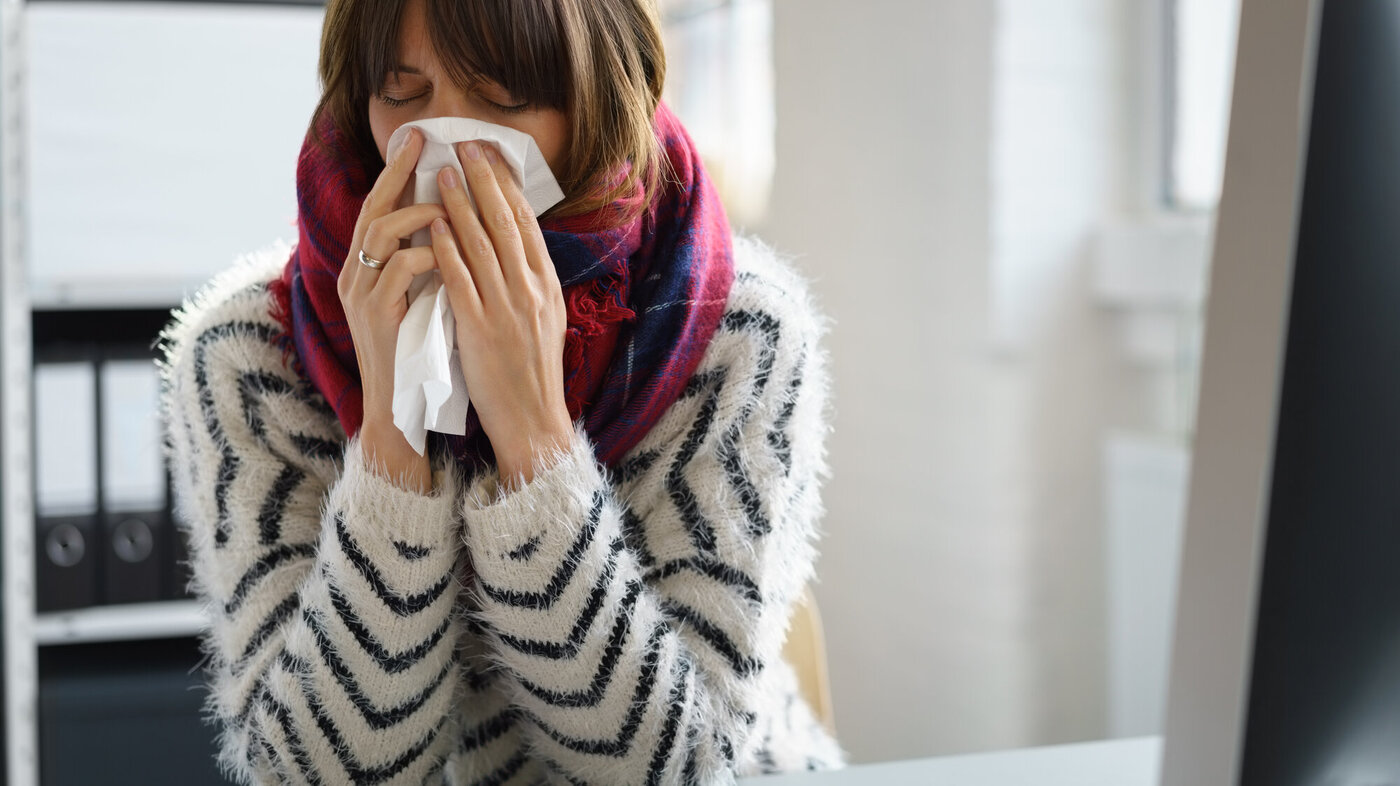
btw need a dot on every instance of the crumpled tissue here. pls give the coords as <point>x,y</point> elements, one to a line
<point>429,391</point>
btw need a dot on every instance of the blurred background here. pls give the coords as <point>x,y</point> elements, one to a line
<point>1004,205</point>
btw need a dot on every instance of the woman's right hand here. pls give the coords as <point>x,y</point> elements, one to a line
<point>375,303</point>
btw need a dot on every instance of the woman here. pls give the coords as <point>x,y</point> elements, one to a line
<point>592,585</point>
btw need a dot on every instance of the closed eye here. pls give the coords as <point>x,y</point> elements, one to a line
<point>508,109</point>
<point>397,102</point>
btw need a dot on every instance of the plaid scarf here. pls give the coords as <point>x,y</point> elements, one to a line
<point>643,298</point>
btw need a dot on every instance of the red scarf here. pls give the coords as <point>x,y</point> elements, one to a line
<point>644,298</point>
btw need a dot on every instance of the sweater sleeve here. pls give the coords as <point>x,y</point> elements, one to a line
<point>635,626</point>
<point>329,590</point>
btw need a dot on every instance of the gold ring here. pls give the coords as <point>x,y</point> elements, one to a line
<point>369,261</point>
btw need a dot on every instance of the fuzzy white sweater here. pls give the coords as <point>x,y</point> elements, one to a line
<point>614,627</point>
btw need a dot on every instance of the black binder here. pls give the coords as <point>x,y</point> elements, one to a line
<point>132,485</point>
<point>68,551</point>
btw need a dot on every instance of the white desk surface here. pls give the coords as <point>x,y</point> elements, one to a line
<point>1132,762</point>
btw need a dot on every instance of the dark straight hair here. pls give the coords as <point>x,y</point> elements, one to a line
<point>600,62</point>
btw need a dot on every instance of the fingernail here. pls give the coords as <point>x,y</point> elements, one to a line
<point>403,148</point>
<point>449,177</point>
<point>439,226</point>
<point>473,150</point>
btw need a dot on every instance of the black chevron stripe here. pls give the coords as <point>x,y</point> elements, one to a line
<point>275,504</point>
<point>283,716</point>
<point>755,520</point>
<point>390,662</point>
<point>569,647</point>
<point>258,740</point>
<point>636,536</point>
<point>266,628</point>
<point>255,386</point>
<point>769,325</point>
<point>267,563</point>
<point>726,747</point>
<point>552,592</point>
<point>713,568</point>
<point>294,665</point>
<point>637,464</point>
<point>403,606</point>
<point>252,386</point>
<point>256,686</point>
<point>593,694</point>
<point>374,717</point>
<point>359,773</point>
<point>492,729</point>
<point>315,447</point>
<point>688,773</point>
<point>718,640</point>
<point>228,471</point>
<point>506,771</point>
<point>702,535</point>
<point>523,552</point>
<point>679,700</point>
<point>778,436</point>
<point>412,553</point>
<point>728,450</point>
<point>228,462</point>
<point>618,746</point>
<point>558,769</point>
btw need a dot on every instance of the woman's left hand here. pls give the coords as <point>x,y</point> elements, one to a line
<point>509,308</point>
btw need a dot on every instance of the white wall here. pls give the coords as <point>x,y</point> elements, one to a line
<point>942,170</point>
<point>882,188</point>
<point>172,156</point>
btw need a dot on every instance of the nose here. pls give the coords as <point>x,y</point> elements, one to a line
<point>447,101</point>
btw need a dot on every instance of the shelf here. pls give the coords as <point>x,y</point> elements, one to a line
<point>163,620</point>
<point>56,294</point>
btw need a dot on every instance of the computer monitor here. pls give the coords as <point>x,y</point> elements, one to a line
<point>1286,661</point>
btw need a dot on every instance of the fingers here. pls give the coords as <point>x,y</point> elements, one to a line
<point>478,252</point>
<point>399,272</point>
<point>536,253</point>
<point>380,202</point>
<point>462,291</point>
<point>382,236</point>
<point>500,218</point>
<point>381,241</point>
<point>384,196</point>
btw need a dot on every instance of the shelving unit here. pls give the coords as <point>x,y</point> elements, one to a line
<point>213,189</point>
<point>16,503</point>
<point>163,620</point>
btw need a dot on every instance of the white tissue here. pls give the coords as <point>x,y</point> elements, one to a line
<point>429,391</point>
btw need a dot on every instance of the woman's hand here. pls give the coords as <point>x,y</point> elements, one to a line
<point>509,308</point>
<point>375,303</point>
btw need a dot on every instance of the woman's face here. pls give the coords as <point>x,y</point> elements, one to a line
<point>420,88</point>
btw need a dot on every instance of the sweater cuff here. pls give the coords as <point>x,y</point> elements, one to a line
<point>375,507</point>
<point>508,526</point>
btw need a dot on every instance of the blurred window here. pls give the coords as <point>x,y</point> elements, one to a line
<point>719,81</point>
<point>1201,43</point>
<point>175,154</point>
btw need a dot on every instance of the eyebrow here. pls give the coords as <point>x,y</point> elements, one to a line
<point>400,68</point>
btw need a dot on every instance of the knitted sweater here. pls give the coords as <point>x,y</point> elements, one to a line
<point>592,626</point>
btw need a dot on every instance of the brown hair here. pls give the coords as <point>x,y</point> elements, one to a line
<point>600,62</point>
